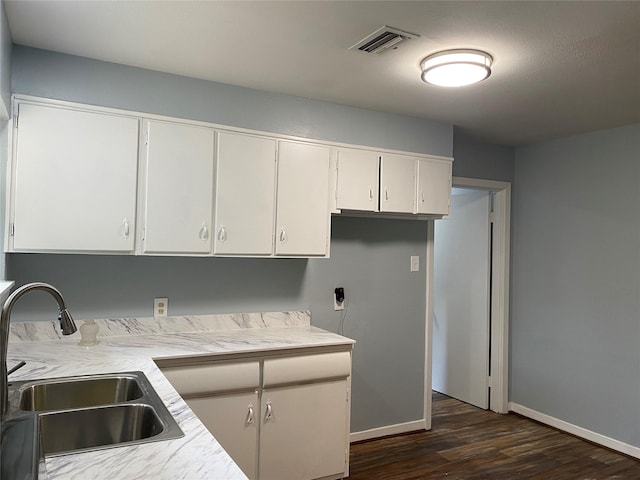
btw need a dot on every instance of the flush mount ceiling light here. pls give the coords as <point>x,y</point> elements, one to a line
<point>456,68</point>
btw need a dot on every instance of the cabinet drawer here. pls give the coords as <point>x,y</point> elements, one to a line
<point>207,379</point>
<point>280,371</point>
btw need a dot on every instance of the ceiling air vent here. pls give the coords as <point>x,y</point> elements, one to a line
<point>382,39</point>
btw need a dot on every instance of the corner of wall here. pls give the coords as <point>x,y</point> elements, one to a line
<point>478,159</point>
<point>5,113</point>
<point>5,64</point>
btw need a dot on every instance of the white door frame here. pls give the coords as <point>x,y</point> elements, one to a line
<point>499,296</point>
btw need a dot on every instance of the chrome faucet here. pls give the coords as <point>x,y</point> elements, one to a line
<point>67,326</point>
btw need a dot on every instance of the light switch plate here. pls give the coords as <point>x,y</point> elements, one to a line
<point>415,263</point>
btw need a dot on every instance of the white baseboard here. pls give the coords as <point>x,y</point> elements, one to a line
<point>388,430</point>
<point>576,430</point>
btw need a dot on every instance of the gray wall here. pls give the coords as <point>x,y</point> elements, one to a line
<point>575,326</point>
<point>5,108</point>
<point>5,61</point>
<point>66,77</point>
<point>476,159</point>
<point>369,257</point>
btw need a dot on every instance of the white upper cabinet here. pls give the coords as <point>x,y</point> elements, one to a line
<point>434,186</point>
<point>178,188</point>
<point>74,178</point>
<point>303,217</point>
<point>203,189</point>
<point>358,176</point>
<point>397,183</point>
<point>245,194</point>
<point>371,181</point>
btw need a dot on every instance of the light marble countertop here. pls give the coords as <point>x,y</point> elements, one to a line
<point>195,456</point>
<point>5,287</point>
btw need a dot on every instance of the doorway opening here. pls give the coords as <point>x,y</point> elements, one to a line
<point>478,289</point>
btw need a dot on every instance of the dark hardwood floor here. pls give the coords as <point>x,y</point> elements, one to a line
<point>470,443</point>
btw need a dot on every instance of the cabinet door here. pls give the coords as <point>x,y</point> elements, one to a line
<point>245,194</point>
<point>74,182</point>
<point>358,180</point>
<point>434,186</point>
<point>232,419</point>
<point>303,215</point>
<point>397,183</point>
<point>304,431</point>
<point>178,188</point>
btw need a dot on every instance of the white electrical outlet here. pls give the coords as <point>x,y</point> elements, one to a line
<point>415,263</point>
<point>160,307</point>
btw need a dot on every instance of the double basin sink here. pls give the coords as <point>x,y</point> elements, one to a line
<point>77,414</point>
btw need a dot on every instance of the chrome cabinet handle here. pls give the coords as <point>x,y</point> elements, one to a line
<point>204,232</point>
<point>268,414</point>
<point>250,414</point>
<point>422,196</point>
<point>222,234</point>
<point>370,192</point>
<point>283,235</point>
<point>125,228</point>
<point>386,193</point>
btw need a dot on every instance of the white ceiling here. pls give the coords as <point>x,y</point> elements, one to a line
<point>560,68</point>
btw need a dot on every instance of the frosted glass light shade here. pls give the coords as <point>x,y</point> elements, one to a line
<point>456,68</point>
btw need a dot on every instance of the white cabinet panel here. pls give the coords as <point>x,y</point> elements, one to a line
<point>434,186</point>
<point>232,420</point>
<point>397,183</point>
<point>245,194</point>
<point>178,188</point>
<point>303,216</point>
<point>294,427</point>
<point>74,183</point>
<point>207,379</point>
<point>303,432</point>
<point>358,177</point>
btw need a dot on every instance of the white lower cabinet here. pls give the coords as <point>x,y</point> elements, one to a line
<point>225,397</point>
<point>292,425</point>
<point>231,418</point>
<point>303,431</point>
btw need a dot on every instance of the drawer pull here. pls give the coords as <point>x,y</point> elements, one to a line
<point>268,414</point>
<point>125,228</point>
<point>204,232</point>
<point>250,414</point>
<point>222,234</point>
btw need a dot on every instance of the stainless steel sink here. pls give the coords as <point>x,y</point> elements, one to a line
<point>59,394</point>
<point>93,412</point>
<point>91,428</point>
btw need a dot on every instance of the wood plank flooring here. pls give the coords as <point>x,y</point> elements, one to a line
<point>469,443</point>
